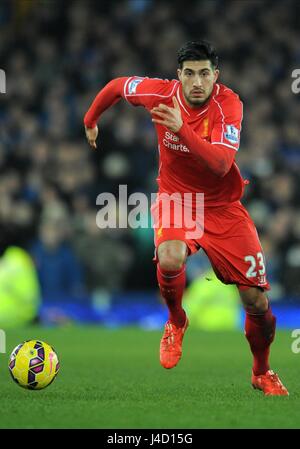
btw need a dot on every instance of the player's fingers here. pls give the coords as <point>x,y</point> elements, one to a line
<point>167,114</point>
<point>163,107</point>
<point>160,114</point>
<point>176,104</point>
<point>159,109</point>
<point>161,122</point>
<point>93,144</point>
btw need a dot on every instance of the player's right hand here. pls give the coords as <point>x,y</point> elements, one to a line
<point>91,135</point>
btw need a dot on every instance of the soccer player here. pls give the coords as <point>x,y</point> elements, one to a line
<point>198,124</point>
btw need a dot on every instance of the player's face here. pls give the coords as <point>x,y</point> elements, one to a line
<point>197,79</point>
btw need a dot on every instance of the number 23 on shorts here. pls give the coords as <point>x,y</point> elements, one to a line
<point>257,265</point>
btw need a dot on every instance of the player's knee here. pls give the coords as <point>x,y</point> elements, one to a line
<point>171,256</point>
<point>170,263</point>
<point>255,300</point>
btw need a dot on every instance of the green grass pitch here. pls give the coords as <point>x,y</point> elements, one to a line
<point>111,378</point>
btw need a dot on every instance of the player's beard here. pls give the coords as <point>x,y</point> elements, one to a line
<point>197,102</point>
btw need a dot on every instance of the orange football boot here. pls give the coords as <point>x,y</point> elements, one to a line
<point>269,383</point>
<point>171,344</point>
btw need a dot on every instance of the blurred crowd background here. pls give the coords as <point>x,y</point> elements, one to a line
<point>58,54</point>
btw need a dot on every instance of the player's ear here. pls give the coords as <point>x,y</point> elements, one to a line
<point>179,74</point>
<point>216,75</point>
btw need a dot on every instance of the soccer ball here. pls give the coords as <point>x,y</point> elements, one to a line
<point>33,364</point>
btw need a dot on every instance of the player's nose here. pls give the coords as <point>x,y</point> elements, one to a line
<point>197,82</point>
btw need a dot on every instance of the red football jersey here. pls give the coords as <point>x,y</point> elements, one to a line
<point>200,156</point>
<point>218,122</point>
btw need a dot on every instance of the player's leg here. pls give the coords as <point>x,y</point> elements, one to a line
<point>260,326</point>
<point>171,278</point>
<point>172,249</point>
<point>234,249</point>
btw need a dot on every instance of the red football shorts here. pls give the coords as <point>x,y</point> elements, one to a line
<point>229,239</point>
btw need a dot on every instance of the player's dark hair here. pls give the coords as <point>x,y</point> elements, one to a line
<point>197,51</point>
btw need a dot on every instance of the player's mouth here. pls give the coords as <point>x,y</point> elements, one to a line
<point>198,93</point>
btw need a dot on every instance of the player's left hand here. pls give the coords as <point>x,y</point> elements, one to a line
<point>170,117</point>
<point>91,135</point>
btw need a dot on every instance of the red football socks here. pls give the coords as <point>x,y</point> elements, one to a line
<point>260,332</point>
<point>171,284</point>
